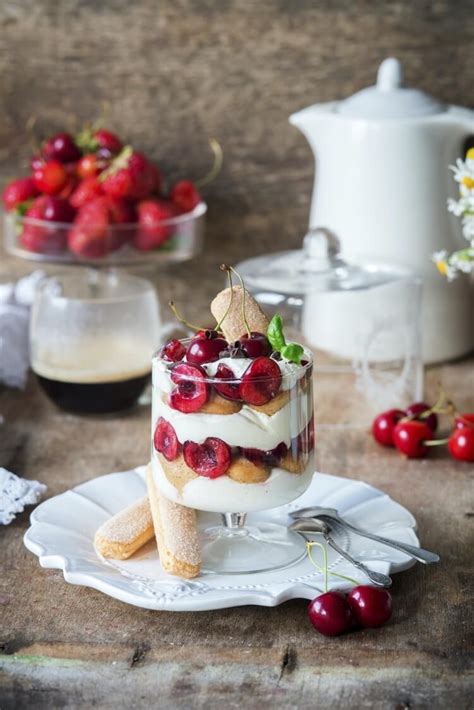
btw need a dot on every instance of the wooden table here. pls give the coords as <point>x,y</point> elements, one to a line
<point>64,645</point>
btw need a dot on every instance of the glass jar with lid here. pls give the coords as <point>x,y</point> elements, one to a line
<point>362,320</point>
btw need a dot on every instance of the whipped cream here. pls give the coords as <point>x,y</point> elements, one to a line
<point>247,428</point>
<point>223,494</point>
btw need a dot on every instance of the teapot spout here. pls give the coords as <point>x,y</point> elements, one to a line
<point>311,121</point>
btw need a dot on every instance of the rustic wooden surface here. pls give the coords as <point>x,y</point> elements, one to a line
<point>176,73</point>
<point>67,646</point>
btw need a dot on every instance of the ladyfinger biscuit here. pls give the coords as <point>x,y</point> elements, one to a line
<point>233,325</point>
<point>274,405</point>
<point>219,405</point>
<point>245,471</point>
<point>125,532</point>
<point>176,533</point>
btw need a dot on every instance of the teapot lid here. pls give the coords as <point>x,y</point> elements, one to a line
<point>318,266</point>
<point>389,99</point>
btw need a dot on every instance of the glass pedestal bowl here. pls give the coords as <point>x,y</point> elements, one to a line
<point>214,449</point>
<point>172,240</point>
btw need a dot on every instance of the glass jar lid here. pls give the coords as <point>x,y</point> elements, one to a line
<point>318,266</point>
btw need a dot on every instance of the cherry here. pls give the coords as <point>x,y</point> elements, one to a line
<point>464,420</point>
<point>260,381</point>
<point>185,196</point>
<point>61,147</point>
<point>417,408</point>
<point>384,424</point>
<point>165,440</point>
<point>57,209</point>
<point>271,457</point>
<point>191,390</point>
<point>461,444</point>
<point>51,177</point>
<point>107,140</point>
<point>409,437</point>
<point>36,161</point>
<point>255,345</point>
<point>371,606</point>
<point>173,350</point>
<point>229,388</point>
<point>330,613</point>
<point>205,349</point>
<point>89,166</point>
<point>210,459</point>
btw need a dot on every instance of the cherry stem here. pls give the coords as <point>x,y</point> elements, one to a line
<point>244,317</point>
<point>325,570</point>
<point>435,442</point>
<point>181,319</point>
<point>216,166</point>
<point>224,267</point>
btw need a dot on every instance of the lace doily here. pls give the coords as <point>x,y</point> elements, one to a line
<point>15,493</point>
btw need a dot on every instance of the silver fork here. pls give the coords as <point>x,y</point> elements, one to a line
<point>418,553</point>
<point>311,526</point>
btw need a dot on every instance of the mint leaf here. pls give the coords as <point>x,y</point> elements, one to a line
<point>292,352</point>
<point>275,333</point>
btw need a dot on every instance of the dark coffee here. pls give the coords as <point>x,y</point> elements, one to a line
<point>94,397</point>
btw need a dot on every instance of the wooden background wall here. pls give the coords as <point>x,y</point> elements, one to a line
<point>179,71</point>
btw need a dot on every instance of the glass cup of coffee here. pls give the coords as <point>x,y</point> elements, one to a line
<point>92,336</point>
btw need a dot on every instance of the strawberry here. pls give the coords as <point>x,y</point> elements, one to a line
<point>130,175</point>
<point>89,165</point>
<point>185,196</point>
<point>41,237</point>
<point>18,191</point>
<point>51,177</point>
<point>154,227</point>
<point>93,234</point>
<point>88,189</point>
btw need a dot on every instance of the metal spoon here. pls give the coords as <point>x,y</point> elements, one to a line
<point>418,553</point>
<point>310,526</point>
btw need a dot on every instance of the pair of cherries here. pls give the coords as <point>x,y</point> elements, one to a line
<point>411,432</point>
<point>334,613</point>
<point>258,385</point>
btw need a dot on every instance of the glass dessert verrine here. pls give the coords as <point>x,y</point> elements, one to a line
<point>234,435</point>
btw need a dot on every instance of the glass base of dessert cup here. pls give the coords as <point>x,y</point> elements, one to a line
<point>237,548</point>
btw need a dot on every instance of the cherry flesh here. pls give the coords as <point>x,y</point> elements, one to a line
<point>384,424</point>
<point>173,351</point>
<point>165,440</point>
<point>229,388</point>
<point>191,390</point>
<point>260,382</point>
<point>210,459</point>
<point>371,606</point>
<point>331,614</point>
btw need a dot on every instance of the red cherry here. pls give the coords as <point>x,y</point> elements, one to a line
<point>271,457</point>
<point>205,349</point>
<point>461,444</point>
<point>165,440</point>
<point>210,459</point>
<point>89,166</point>
<point>417,408</point>
<point>371,606</point>
<point>57,209</point>
<point>18,191</point>
<point>255,345</point>
<point>260,381</point>
<point>108,140</point>
<point>61,147</point>
<point>409,437</point>
<point>464,420</point>
<point>191,390</point>
<point>51,177</point>
<point>39,234</point>
<point>229,388</point>
<point>185,196</point>
<point>384,424</point>
<point>36,161</point>
<point>330,614</point>
<point>173,350</point>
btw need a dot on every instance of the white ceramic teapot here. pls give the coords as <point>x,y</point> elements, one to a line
<point>382,181</point>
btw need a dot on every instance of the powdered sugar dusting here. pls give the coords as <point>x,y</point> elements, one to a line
<point>129,523</point>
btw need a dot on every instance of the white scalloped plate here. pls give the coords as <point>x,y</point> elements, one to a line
<point>62,532</point>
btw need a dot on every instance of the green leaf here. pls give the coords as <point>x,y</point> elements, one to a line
<point>275,333</point>
<point>292,352</point>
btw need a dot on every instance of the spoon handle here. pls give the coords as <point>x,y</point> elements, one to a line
<point>418,553</point>
<point>381,580</point>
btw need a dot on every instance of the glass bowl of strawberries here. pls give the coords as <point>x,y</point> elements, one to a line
<point>90,199</point>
